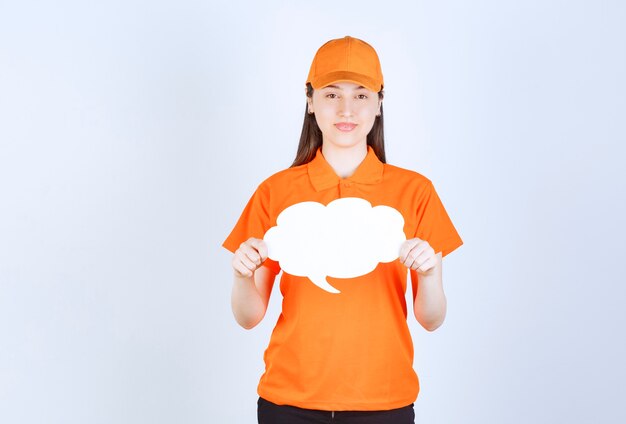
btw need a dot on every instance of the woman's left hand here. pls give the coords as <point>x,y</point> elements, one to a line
<point>417,254</point>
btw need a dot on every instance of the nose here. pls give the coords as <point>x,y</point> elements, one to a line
<point>345,106</point>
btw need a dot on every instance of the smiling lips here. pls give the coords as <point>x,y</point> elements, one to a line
<point>345,126</point>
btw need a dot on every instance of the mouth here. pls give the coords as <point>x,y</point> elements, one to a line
<point>345,126</point>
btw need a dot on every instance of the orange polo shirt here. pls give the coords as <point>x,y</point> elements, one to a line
<point>350,350</point>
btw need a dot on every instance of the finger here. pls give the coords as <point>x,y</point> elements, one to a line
<point>408,262</point>
<point>415,254</point>
<point>407,246</point>
<point>413,263</point>
<point>254,257</point>
<point>247,263</point>
<point>240,269</point>
<point>261,247</point>
<point>243,271</point>
<point>251,253</point>
<point>427,265</point>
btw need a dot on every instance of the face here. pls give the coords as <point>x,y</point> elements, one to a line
<point>345,113</point>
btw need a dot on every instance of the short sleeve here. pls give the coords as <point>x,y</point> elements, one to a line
<point>253,222</point>
<point>433,223</point>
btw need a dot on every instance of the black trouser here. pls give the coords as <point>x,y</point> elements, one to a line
<point>270,413</point>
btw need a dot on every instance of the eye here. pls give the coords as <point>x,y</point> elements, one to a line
<point>330,94</point>
<point>364,96</point>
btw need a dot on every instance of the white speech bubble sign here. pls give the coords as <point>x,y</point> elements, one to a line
<point>345,239</point>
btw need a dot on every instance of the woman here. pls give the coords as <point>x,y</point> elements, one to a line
<point>343,356</point>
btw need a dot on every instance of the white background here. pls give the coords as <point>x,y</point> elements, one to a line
<point>132,133</point>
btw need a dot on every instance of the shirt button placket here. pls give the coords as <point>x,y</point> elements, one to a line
<point>346,189</point>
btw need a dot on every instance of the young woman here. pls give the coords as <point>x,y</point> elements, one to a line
<point>343,357</point>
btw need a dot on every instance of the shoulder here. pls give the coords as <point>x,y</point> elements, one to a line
<point>273,191</point>
<point>396,173</point>
<point>284,178</point>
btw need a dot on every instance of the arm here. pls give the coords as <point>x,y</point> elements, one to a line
<point>252,283</point>
<point>429,300</point>
<point>250,297</point>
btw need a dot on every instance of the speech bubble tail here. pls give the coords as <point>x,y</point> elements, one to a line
<point>322,283</point>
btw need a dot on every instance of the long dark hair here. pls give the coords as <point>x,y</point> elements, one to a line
<point>311,137</point>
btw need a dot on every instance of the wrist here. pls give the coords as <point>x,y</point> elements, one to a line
<point>240,277</point>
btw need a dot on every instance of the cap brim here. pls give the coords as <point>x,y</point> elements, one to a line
<point>360,79</point>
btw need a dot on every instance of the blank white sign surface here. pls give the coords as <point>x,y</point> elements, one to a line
<point>345,239</point>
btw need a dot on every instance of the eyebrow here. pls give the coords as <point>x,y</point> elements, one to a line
<point>334,86</point>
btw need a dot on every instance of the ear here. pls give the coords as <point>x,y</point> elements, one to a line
<point>310,103</point>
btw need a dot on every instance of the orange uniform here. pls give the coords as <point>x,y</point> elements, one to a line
<point>350,350</point>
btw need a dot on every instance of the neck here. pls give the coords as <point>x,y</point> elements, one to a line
<point>344,160</point>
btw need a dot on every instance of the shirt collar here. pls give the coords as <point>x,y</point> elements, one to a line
<point>323,176</point>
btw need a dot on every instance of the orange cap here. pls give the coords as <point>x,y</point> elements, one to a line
<point>346,59</point>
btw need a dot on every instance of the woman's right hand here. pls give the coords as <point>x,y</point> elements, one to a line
<point>249,257</point>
